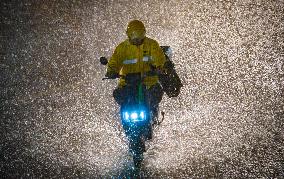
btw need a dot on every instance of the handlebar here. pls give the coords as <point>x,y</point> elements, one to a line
<point>108,78</point>
<point>112,78</point>
<point>152,72</point>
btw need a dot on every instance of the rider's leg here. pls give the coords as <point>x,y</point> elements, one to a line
<point>155,96</point>
<point>120,94</point>
<point>119,97</point>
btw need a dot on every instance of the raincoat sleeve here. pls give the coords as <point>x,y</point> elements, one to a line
<point>114,63</point>
<point>158,55</point>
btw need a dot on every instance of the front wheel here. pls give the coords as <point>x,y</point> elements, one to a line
<point>137,147</point>
<point>137,160</point>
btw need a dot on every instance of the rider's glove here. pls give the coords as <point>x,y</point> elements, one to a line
<point>112,75</point>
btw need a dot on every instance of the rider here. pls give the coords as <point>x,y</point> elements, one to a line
<point>138,54</point>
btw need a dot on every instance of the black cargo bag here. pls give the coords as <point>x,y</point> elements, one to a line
<point>170,80</point>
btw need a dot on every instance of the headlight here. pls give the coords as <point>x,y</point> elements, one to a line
<point>126,116</point>
<point>142,115</point>
<point>134,115</point>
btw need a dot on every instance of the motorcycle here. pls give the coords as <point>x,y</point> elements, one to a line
<point>136,117</point>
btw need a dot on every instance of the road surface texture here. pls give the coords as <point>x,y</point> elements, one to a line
<point>58,118</point>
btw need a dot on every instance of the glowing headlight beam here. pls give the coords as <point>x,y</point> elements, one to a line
<point>142,115</point>
<point>134,115</point>
<point>126,116</point>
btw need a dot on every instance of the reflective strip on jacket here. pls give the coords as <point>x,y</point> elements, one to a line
<point>128,58</point>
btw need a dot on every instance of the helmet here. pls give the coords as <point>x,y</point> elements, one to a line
<point>136,29</point>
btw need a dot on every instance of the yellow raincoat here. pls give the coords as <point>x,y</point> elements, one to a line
<point>128,58</point>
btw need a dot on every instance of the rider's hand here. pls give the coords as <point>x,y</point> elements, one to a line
<point>158,70</point>
<point>112,75</point>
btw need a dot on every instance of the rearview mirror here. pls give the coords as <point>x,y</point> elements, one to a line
<point>103,60</point>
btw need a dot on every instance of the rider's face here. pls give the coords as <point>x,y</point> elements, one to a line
<point>136,38</point>
<point>136,41</point>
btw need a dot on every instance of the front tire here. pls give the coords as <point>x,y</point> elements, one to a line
<point>137,147</point>
<point>137,160</point>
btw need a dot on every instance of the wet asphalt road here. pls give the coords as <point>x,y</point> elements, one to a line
<point>58,118</point>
